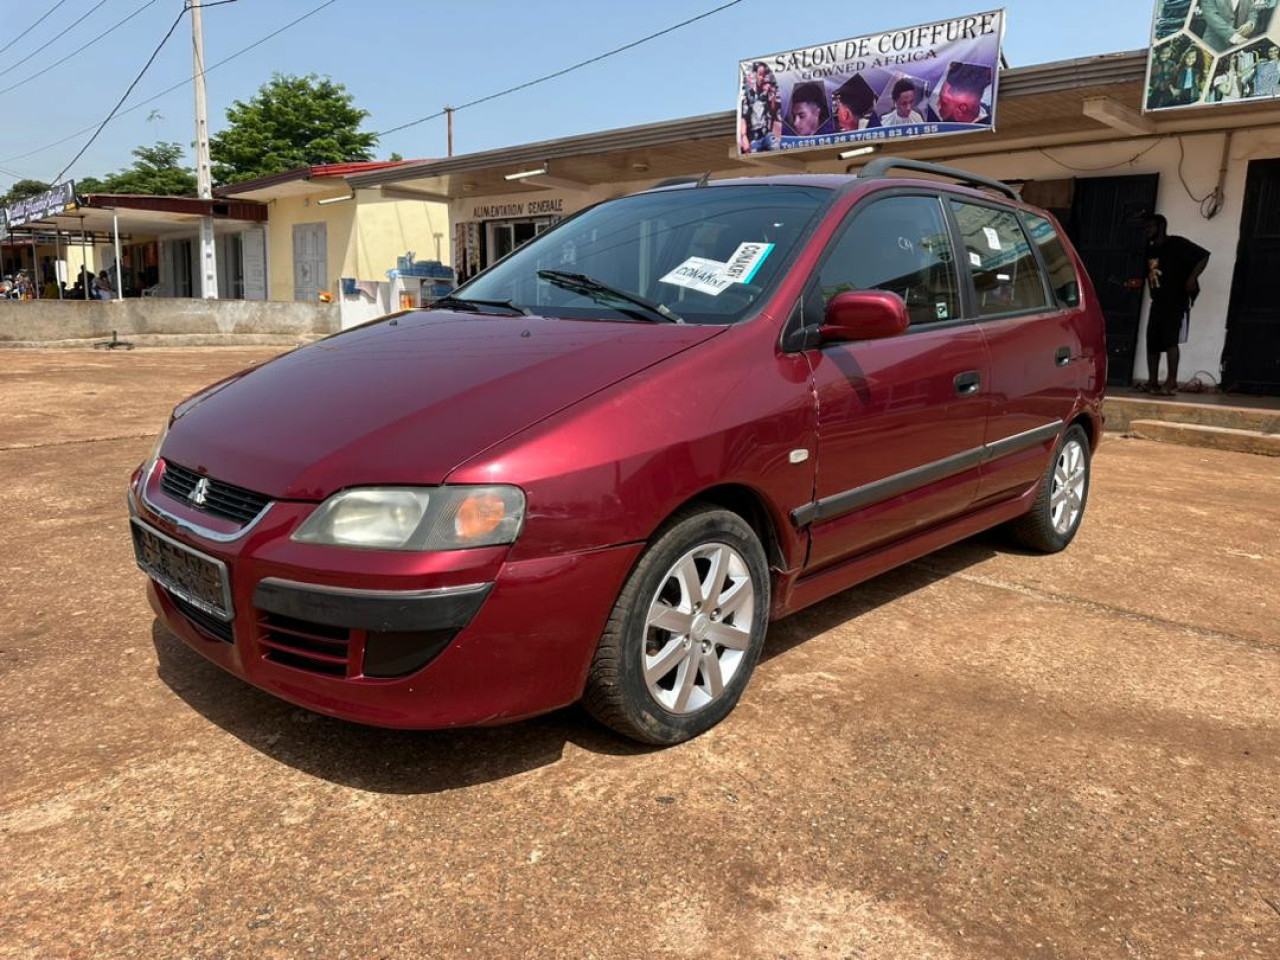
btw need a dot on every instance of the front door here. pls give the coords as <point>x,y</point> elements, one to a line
<point>1251,359</point>
<point>1104,229</point>
<point>310,260</point>
<point>900,420</point>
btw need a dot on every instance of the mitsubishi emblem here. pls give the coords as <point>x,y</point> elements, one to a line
<point>200,493</point>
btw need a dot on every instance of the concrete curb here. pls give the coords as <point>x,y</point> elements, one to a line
<point>1217,438</point>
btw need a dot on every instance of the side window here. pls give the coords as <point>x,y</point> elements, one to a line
<point>899,244</point>
<point>1006,276</point>
<point>1062,272</point>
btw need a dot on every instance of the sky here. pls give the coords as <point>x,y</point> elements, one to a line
<point>404,59</point>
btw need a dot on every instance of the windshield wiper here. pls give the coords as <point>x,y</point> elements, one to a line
<point>581,283</point>
<point>473,304</point>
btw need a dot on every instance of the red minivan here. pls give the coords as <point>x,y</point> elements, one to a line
<point>600,468</point>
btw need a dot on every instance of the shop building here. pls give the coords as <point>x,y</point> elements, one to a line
<point>155,240</point>
<point>1070,134</point>
<point>327,239</point>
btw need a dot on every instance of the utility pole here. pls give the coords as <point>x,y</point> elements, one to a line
<point>204,176</point>
<point>448,112</point>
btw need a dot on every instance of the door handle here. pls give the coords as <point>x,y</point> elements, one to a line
<point>1062,356</point>
<point>967,383</point>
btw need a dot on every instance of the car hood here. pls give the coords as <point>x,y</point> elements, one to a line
<point>405,401</point>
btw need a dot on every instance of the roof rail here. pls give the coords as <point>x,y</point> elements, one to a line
<point>881,166</point>
<point>675,182</point>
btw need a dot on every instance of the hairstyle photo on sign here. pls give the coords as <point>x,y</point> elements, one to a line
<point>1212,51</point>
<point>923,81</point>
<point>965,94</point>
<point>853,105</point>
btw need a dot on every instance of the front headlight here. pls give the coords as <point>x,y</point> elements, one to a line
<point>416,518</point>
<point>154,455</point>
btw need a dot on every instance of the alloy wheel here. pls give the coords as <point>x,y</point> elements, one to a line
<point>698,628</point>
<point>1070,480</point>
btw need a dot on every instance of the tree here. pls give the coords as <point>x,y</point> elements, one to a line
<point>157,171</point>
<point>21,190</point>
<point>291,122</point>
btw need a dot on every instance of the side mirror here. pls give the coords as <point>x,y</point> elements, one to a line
<point>864,315</point>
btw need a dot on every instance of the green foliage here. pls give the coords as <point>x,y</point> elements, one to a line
<point>157,171</point>
<point>21,190</point>
<point>291,122</point>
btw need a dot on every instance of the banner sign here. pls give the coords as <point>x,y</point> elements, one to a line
<point>58,199</point>
<point>926,81</point>
<point>1212,51</point>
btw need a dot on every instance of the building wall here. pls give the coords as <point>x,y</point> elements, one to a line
<point>364,236</point>
<point>285,213</point>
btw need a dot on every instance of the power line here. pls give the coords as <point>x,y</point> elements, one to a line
<point>74,52</point>
<point>177,86</point>
<point>561,73</point>
<point>119,103</point>
<point>39,50</point>
<point>45,16</point>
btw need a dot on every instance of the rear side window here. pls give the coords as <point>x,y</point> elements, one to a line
<point>1006,276</point>
<point>1062,272</point>
<point>900,244</point>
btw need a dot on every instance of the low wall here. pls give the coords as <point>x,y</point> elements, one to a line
<point>35,320</point>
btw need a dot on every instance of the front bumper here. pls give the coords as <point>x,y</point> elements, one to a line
<point>396,639</point>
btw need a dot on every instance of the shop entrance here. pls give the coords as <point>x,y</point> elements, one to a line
<point>1251,358</point>
<point>505,235</point>
<point>1102,223</point>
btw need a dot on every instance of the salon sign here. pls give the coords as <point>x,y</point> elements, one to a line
<point>923,81</point>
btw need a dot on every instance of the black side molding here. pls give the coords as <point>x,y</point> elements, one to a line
<point>872,493</point>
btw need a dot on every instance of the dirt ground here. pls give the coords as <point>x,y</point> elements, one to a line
<point>982,755</point>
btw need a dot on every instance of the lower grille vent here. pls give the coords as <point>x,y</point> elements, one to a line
<point>303,645</point>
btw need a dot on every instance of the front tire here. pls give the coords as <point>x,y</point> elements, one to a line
<point>686,631</point>
<point>1055,516</point>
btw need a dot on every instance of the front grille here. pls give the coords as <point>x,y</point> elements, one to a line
<point>221,499</point>
<point>303,645</point>
<point>206,623</point>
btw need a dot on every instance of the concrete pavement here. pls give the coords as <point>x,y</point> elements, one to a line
<point>982,755</point>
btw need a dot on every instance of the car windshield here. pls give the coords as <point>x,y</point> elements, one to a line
<point>697,255</point>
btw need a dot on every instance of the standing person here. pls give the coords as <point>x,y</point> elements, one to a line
<point>1229,22</point>
<point>1174,265</point>
<point>1265,75</point>
<point>1188,80</point>
<point>904,102</point>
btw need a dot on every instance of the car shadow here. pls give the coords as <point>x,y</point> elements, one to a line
<point>418,762</point>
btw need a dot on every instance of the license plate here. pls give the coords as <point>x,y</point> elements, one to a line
<point>186,573</point>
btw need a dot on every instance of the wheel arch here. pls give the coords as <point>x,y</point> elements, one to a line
<point>752,507</point>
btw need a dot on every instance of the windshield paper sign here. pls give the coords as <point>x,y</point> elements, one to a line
<point>926,81</point>
<point>714,276</point>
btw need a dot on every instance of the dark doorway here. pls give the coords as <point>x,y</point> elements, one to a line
<point>1251,358</point>
<point>1101,224</point>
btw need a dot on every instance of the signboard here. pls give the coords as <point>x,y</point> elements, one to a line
<point>1212,51</point>
<point>56,200</point>
<point>926,81</point>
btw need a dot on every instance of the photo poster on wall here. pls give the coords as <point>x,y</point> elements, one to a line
<point>931,80</point>
<point>1212,51</point>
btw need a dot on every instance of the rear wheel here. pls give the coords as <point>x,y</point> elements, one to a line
<point>1055,516</point>
<point>686,631</point>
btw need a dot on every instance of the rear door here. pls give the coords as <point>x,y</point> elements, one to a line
<point>901,420</point>
<point>1032,339</point>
